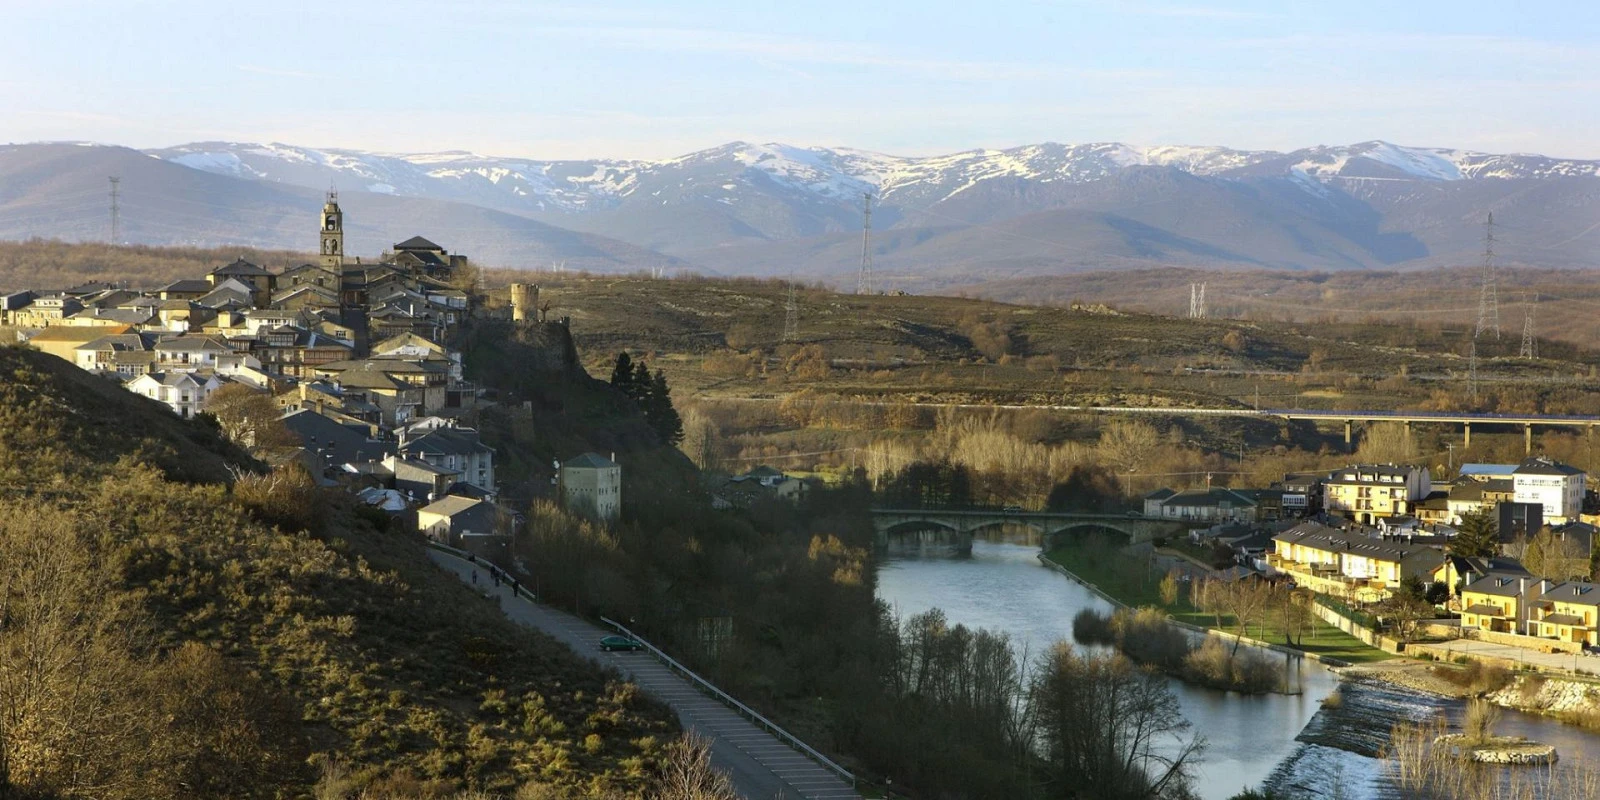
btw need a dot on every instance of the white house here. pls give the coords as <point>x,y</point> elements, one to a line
<point>591,484</point>
<point>1555,486</point>
<point>183,392</point>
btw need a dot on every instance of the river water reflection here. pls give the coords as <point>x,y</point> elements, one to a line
<point>1250,739</point>
<point>1003,587</point>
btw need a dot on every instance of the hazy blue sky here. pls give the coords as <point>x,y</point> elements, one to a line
<point>654,79</point>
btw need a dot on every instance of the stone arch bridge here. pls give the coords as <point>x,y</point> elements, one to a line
<point>956,527</point>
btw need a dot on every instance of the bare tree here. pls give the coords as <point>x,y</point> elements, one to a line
<point>1247,600</point>
<point>1128,444</point>
<point>688,774</point>
<point>1106,723</point>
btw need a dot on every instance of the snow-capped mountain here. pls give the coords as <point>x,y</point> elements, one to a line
<point>774,208</point>
<point>827,174</point>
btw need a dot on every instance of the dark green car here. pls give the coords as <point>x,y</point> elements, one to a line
<point>611,643</point>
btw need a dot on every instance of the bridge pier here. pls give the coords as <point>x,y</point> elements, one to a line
<point>1348,424</point>
<point>1467,427</point>
<point>1527,439</point>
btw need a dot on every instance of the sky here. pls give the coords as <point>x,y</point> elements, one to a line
<point>587,79</point>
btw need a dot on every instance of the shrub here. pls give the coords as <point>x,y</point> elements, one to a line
<point>1092,627</point>
<point>286,497</point>
<point>1476,677</point>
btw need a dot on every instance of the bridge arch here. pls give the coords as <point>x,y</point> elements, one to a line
<point>1080,530</point>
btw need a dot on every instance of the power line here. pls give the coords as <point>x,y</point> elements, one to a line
<point>864,280</point>
<point>116,210</point>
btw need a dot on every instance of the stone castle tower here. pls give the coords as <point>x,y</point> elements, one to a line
<point>524,302</point>
<point>332,233</point>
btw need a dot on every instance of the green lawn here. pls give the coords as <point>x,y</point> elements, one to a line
<point>1136,585</point>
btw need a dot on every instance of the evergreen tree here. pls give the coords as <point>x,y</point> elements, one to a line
<point>1478,535</point>
<point>622,374</point>
<point>658,409</point>
<point>640,385</point>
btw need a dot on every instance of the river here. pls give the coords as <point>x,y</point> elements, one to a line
<point>1250,740</point>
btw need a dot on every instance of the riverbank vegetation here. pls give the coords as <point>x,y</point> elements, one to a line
<point>1148,638</point>
<point>1278,619</point>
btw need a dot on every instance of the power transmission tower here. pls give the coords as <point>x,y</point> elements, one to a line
<point>864,280</point>
<point>1197,301</point>
<point>791,315</point>
<point>1530,345</point>
<point>1472,370</point>
<point>1489,297</point>
<point>116,210</point>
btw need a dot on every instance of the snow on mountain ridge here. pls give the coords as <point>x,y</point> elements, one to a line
<point>832,175</point>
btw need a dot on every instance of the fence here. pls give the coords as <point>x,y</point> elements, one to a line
<point>728,700</point>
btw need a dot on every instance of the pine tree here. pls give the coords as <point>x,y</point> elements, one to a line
<point>1478,535</point>
<point>622,374</point>
<point>658,408</point>
<point>640,385</point>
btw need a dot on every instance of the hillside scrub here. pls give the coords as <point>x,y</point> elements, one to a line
<point>244,649</point>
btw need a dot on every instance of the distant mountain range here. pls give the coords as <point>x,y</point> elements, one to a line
<point>774,209</point>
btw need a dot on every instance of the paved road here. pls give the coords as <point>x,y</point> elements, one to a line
<point>762,767</point>
<point>1551,661</point>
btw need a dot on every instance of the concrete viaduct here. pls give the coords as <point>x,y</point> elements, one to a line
<point>956,527</point>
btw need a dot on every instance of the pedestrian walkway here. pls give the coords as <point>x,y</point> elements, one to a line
<point>761,766</point>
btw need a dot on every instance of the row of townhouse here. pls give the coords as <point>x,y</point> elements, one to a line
<point>1351,563</point>
<point>1519,603</point>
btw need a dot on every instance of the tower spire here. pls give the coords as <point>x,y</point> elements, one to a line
<point>332,233</point>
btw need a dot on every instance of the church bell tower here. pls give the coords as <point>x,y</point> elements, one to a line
<point>332,233</point>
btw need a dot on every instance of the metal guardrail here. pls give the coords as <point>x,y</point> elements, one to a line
<point>728,700</point>
<point>671,663</point>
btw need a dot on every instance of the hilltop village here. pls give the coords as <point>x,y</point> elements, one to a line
<point>344,366</point>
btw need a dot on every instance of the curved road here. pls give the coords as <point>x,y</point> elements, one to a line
<point>762,767</point>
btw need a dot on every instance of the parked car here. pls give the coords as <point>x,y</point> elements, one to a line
<point>611,643</point>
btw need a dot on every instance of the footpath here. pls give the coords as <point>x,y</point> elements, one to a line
<point>762,766</point>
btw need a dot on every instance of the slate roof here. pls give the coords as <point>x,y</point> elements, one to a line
<point>417,243</point>
<point>589,461</point>
<point>190,285</point>
<point>1539,465</point>
<point>1321,537</point>
<point>346,445</point>
<point>192,344</point>
<point>1578,592</point>
<point>1208,498</point>
<point>368,376</point>
<point>1501,584</point>
<point>240,267</point>
<point>447,441</point>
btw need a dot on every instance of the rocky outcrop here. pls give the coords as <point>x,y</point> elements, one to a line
<point>1554,696</point>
